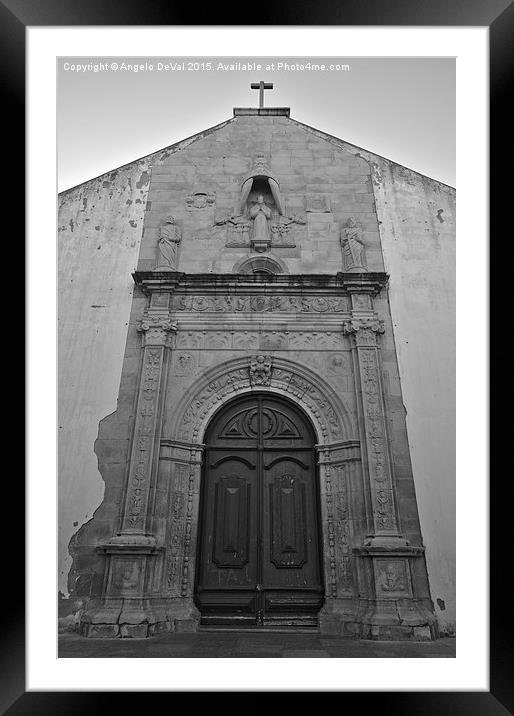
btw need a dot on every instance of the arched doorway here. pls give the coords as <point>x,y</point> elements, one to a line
<point>258,561</point>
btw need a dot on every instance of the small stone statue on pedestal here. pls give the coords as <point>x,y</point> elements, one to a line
<point>167,248</point>
<point>353,247</point>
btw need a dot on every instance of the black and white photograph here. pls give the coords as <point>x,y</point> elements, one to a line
<point>256,357</point>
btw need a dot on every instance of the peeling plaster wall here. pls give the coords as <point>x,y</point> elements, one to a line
<point>99,236</point>
<point>100,226</point>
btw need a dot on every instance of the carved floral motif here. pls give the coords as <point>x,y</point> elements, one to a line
<point>194,478</point>
<point>364,330</point>
<point>343,530</point>
<point>157,329</point>
<point>330,530</point>
<point>178,502</point>
<point>141,449</point>
<point>374,422</point>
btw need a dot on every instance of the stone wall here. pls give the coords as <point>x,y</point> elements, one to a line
<point>322,184</point>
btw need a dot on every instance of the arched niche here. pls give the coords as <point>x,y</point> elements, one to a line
<point>260,265</point>
<point>260,181</point>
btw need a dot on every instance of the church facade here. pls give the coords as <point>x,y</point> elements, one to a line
<point>257,466</point>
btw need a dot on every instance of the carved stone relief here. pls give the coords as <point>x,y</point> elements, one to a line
<point>175,542</point>
<point>391,578</point>
<point>245,340</point>
<point>157,335</point>
<point>264,340</point>
<point>339,363</point>
<point>317,203</point>
<point>342,523</point>
<point>274,341</point>
<point>364,332</point>
<point>260,370</point>
<point>259,220</point>
<point>319,340</point>
<point>200,200</point>
<point>126,576</point>
<point>183,364</point>
<point>329,502</point>
<point>237,380</point>
<point>261,304</point>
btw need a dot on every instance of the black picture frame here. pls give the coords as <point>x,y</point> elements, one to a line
<point>498,15</point>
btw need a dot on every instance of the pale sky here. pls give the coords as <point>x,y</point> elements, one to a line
<point>400,108</point>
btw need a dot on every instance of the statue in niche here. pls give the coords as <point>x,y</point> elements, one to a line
<point>260,171</point>
<point>353,246</point>
<point>260,213</point>
<point>167,249</point>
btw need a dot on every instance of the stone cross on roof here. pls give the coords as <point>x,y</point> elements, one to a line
<point>261,86</point>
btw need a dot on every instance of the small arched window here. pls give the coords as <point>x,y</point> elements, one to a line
<point>261,266</point>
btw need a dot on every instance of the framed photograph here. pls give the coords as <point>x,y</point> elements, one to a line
<point>255,356</point>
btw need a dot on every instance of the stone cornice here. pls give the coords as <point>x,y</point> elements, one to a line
<point>338,284</point>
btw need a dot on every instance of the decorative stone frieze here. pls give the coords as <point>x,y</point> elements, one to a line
<point>260,303</point>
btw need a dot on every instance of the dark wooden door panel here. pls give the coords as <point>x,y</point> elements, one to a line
<point>259,559</point>
<point>287,522</point>
<point>290,522</point>
<point>231,538</point>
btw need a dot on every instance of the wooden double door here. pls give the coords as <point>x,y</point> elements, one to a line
<point>258,561</point>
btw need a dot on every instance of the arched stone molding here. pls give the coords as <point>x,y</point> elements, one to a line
<point>251,264</point>
<point>329,416</point>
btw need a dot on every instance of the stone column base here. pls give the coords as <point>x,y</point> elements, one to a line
<point>399,619</point>
<point>341,617</point>
<point>138,618</point>
<point>387,620</point>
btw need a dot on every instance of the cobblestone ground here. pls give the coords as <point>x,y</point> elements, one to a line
<point>250,645</point>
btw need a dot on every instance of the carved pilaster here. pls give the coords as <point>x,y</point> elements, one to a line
<point>158,332</point>
<point>363,332</point>
<point>338,464</point>
<point>394,609</point>
<point>181,541</point>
